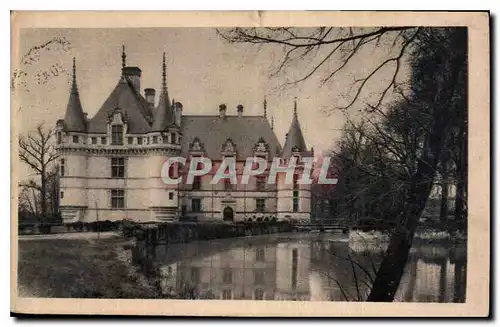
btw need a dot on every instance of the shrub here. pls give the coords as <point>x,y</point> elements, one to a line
<point>128,228</point>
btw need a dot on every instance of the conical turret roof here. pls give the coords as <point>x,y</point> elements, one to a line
<point>164,114</point>
<point>294,139</point>
<point>74,119</point>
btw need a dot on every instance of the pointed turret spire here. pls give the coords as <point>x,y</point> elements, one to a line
<point>164,76</point>
<point>294,140</point>
<point>164,115</point>
<point>74,88</point>
<point>124,58</point>
<point>74,119</point>
<point>295,107</point>
<point>265,107</point>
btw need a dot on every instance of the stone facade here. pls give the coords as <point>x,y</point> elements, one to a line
<point>111,163</point>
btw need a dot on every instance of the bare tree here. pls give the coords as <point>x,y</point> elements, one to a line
<point>438,58</point>
<point>339,47</point>
<point>37,151</point>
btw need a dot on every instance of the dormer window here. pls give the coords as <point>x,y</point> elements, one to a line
<point>228,148</point>
<point>117,134</point>
<point>172,138</point>
<point>261,149</point>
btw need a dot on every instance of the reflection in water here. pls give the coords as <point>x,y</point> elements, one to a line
<point>304,267</point>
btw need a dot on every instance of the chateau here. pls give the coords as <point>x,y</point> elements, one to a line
<point>110,164</point>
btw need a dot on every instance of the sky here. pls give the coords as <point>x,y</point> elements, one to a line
<point>203,71</point>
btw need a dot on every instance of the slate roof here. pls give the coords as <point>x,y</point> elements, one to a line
<point>74,119</point>
<point>164,114</point>
<point>213,131</point>
<point>294,139</point>
<point>133,104</point>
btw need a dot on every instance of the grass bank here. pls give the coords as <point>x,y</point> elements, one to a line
<point>79,268</point>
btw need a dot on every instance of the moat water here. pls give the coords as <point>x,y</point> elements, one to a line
<point>300,267</point>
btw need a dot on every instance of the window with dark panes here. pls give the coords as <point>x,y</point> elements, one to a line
<point>118,167</point>
<point>103,140</point>
<point>195,205</point>
<point>63,167</point>
<point>75,138</point>
<point>116,134</point>
<point>260,205</point>
<point>94,140</point>
<point>295,204</point>
<point>117,199</point>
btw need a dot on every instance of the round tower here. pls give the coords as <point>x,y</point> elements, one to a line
<point>294,199</point>
<point>164,141</point>
<point>71,140</point>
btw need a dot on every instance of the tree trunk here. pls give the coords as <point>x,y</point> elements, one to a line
<point>459,204</point>
<point>391,269</point>
<point>43,196</point>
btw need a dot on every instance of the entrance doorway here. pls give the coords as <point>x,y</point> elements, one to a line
<point>228,214</point>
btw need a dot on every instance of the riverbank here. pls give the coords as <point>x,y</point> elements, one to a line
<point>359,240</point>
<point>79,268</point>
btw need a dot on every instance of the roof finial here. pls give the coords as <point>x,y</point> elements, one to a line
<point>295,107</point>
<point>265,107</point>
<point>272,123</point>
<point>124,57</point>
<point>73,84</point>
<point>164,74</point>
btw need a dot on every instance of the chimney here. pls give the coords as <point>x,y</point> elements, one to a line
<point>134,76</point>
<point>178,113</point>
<point>149,94</point>
<point>222,111</point>
<point>240,110</point>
